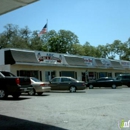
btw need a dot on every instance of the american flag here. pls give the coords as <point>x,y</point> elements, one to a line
<point>43,31</point>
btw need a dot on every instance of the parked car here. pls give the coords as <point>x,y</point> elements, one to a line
<point>67,83</point>
<point>124,78</point>
<point>39,87</point>
<point>104,82</point>
<point>13,85</point>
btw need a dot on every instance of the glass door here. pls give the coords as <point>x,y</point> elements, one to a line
<point>49,75</point>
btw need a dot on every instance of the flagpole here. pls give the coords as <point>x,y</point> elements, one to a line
<point>47,24</point>
<point>47,35</point>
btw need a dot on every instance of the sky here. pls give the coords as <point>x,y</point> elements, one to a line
<point>98,22</point>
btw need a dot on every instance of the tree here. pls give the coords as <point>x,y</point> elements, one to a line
<point>126,50</point>
<point>51,41</point>
<point>78,49</point>
<point>117,48</point>
<point>62,42</point>
<point>103,51</point>
<point>89,50</point>
<point>6,37</point>
<point>12,37</point>
<point>36,43</point>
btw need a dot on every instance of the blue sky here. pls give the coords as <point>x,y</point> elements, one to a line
<point>97,21</point>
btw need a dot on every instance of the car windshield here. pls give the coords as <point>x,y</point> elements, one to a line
<point>35,79</point>
<point>72,79</point>
<point>8,74</point>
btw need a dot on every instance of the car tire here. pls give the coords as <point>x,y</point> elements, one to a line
<point>90,86</point>
<point>32,92</point>
<point>72,89</point>
<point>128,84</point>
<point>113,86</point>
<point>40,93</point>
<point>3,94</point>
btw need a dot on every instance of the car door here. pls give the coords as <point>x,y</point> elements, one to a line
<point>55,83</point>
<point>109,82</point>
<point>100,83</point>
<point>126,80</point>
<point>65,83</point>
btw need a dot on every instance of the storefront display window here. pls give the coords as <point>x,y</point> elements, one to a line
<point>116,74</point>
<point>49,75</point>
<point>109,74</point>
<point>102,74</point>
<point>91,76</point>
<point>69,74</point>
<point>28,73</point>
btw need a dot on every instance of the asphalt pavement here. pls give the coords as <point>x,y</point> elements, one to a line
<point>92,109</point>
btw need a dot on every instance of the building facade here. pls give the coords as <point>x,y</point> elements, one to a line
<point>46,65</point>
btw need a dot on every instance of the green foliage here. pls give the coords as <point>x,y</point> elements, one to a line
<point>61,42</point>
<point>89,50</point>
<point>77,49</point>
<point>12,37</point>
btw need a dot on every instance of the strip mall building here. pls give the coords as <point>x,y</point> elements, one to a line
<point>46,65</point>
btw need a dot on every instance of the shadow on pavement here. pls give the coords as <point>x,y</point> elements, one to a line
<point>11,123</point>
<point>118,87</point>
<point>12,99</point>
<point>44,94</point>
<point>60,91</point>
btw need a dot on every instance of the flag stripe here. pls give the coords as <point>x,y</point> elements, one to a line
<point>43,31</point>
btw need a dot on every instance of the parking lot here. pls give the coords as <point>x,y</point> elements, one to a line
<point>92,109</point>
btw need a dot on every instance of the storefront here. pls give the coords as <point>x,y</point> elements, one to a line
<point>46,65</point>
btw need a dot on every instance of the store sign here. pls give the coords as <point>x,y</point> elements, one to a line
<point>49,58</point>
<point>88,61</point>
<point>106,62</point>
<point>125,64</point>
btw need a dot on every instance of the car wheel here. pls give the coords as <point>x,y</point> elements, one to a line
<point>72,89</point>
<point>90,86</point>
<point>39,93</point>
<point>3,94</point>
<point>32,92</point>
<point>113,86</point>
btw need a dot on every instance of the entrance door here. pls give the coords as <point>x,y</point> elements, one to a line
<point>83,76</point>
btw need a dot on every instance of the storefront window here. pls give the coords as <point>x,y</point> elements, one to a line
<point>116,74</point>
<point>109,74</point>
<point>49,75</point>
<point>91,75</point>
<point>102,74</point>
<point>69,74</point>
<point>28,73</point>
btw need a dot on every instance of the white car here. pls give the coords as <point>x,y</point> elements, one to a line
<point>39,87</point>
